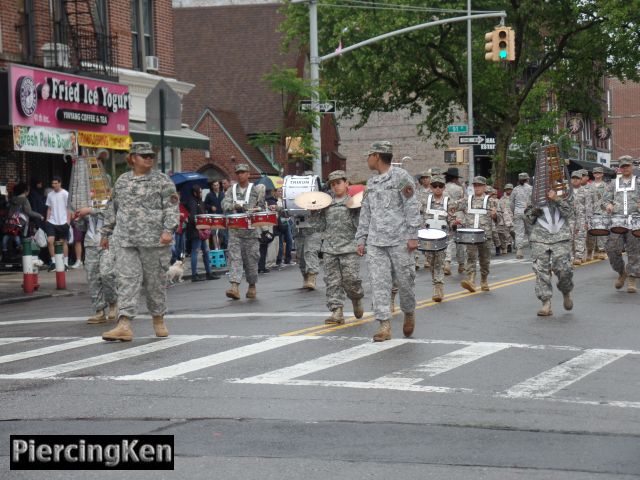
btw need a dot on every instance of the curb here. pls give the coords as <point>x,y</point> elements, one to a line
<point>39,296</point>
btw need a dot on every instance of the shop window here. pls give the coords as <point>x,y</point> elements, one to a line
<point>141,31</point>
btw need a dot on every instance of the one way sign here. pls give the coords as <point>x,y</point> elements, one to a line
<point>323,107</point>
<point>471,139</point>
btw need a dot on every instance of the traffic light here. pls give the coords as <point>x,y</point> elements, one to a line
<point>455,156</point>
<point>500,45</point>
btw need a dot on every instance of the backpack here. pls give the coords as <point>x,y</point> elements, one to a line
<point>14,224</point>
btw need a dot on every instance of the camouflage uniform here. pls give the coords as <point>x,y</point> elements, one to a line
<point>504,223</point>
<point>389,217</point>
<point>341,263</point>
<point>142,208</point>
<point>583,209</point>
<point>617,243</point>
<point>519,201</point>
<point>485,222</point>
<point>598,191</point>
<point>244,245</point>
<point>99,265</point>
<point>422,194</point>
<point>550,240</point>
<point>436,207</point>
<point>308,241</point>
<point>456,194</point>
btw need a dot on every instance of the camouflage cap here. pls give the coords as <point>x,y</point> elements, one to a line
<point>625,160</point>
<point>523,176</point>
<point>576,174</point>
<point>490,190</point>
<point>479,180</point>
<point>435,171</point>
<point>437,179</point>
<point>382,146</point>
<point>598,170</point>
<point>242,167</point>
<point>141,148</point>
<point>337,175</point>
<point>508,186</point>
<point>585,172</point>
<point>426,173</point>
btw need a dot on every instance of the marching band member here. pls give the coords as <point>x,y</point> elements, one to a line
<point>519,201</point>
<point>479,212</point>
<point>338,226</point>
<point>583,211</point>
<point>623,199</point>
<point>244,244</point>
<point>456,192</point>
<point>505,220</point>
<point>422,192</point>
<point>595,245</point>
<point>436,215</point>
<point>307,240</point>
<point>550,239</point>
<point>388,228</point>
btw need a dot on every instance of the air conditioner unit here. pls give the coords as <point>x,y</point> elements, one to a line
<point>55,55</point>
<point>152,64</point>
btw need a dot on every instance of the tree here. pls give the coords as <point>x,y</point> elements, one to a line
<point>565,45</point>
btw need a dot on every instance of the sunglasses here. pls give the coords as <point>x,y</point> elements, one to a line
<point>437,185</point>
<point>147,155</point>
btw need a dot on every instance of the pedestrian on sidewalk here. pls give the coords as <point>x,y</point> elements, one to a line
<point>198,239</point>
<point>58,221</point>
<point>20,210</point>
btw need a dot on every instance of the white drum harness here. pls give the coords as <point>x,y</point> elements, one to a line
<point>476,212</point>
<point>247,194</point>
<point>437,221</point>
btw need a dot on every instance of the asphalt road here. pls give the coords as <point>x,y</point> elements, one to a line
<point>262,389</point>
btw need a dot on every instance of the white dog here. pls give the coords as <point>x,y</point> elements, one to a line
<point>37,263</point>
<point>175,273</point>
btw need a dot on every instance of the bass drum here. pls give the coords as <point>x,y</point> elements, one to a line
<point>293,186</point>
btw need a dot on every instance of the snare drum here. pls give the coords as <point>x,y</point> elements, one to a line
<point>293,186</point>
<point>238,221</point>
<point>619,223</point>
<point>203,222</point>
<point>218,222</point>
<point>432,240</point>
<point>264,219</point>
<point>599,225</point>
<point>470,236</point>
<point>634,224</point>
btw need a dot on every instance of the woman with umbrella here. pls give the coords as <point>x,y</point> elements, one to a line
<point>199,238</point>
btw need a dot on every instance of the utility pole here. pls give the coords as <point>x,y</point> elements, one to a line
<point>471,157</point>
<point>314,61</point>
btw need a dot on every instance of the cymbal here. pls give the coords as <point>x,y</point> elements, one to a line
<point>313,200</point>
<point>355,201</point>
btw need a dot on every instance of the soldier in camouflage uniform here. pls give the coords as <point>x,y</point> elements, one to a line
<point>583,209</point>
<point>493,194</point>
<point>99,265</point>
<point>308,240</point>
<point>389,222</point>
<point>519,201</point>
<point>505,220</point>
<point>550,240</point>
<point>341,263</point>
<point>140,224</point>
<point>437,216</point>
<point>456,192</point>
<point>422,191</point>
<point>624,199</point>
<point>244,245</point>
<point>479,211</point>
<point>595,245</point>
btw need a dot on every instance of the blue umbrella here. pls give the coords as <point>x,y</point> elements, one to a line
<point>182,179</point>
<point>267,182</point>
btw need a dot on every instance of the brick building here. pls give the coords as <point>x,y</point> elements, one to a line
<point>624,117</point>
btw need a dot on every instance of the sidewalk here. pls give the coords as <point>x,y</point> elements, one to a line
<point>11,286</point>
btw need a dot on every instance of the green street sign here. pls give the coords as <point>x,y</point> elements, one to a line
<point>458,128</point>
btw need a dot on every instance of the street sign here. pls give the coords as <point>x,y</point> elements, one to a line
<point>458,128</point>
<point>471,139</point>
<point>323,107</point>
<point>488,147</point>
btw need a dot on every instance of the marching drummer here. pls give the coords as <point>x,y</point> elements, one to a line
<point>341,263</point>
<point>595,244</point>
<point>308,240</point>
<point>623,199</point>
<point>479,211</point>
<point>244,245</point>
<point>436,215</point>
<point>389,222</point>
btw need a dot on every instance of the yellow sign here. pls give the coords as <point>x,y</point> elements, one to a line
<point>104,140</point>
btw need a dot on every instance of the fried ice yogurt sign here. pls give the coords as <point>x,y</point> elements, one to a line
<point>76,92</point>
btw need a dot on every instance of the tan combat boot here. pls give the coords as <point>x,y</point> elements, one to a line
<point>122,331</point>
<point>519,253</point>
<point>438,293</point>
<point>251,291</point>
<point>358,309</point>
<point>631,285</point>
<point>469,283</point>
<point>409,323</point>
<point>620,281</point>
<point>305,280</point>
<point>545,311</point>
<point>310,282</point>
<point>336,318</point>
<point>447,268</point>
<point>384,331</point>
<point>568,301</point>
<point>577,262</point>
<point>394,292</point>
<point>460,268</point>
<point>159,326</point>
<point>234,291</point>
<point>113,312</point>
<point>484,283</point>
<point>503,251</point>
<point>99,317</point>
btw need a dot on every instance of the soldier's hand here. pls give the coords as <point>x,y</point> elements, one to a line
<point>165,238</point>
<point>83,212</point>
<point>104,243</point>
<point>360,250</point>
<point>610,208</point>
<point>412,245</point>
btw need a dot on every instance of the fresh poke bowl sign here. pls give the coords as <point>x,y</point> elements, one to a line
<point>44,98</point>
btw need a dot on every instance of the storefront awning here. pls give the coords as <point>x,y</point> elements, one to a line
<point>183,138</point>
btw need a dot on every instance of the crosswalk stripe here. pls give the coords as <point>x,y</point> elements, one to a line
<point>212,360</point>
<point>442,364</point>
<point>51,349</point>
<point>55,370</point>
<point>555,379</point>
<point>9,340</point>
<point>322,363</point>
